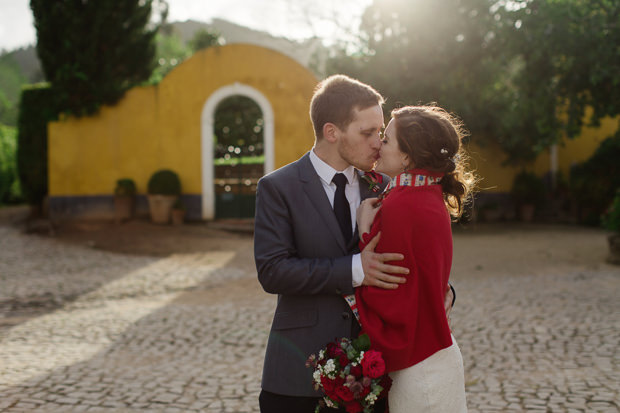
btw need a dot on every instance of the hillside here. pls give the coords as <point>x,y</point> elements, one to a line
<point>22,66</point>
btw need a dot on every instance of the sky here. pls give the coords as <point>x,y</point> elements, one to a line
<point>295,19</point>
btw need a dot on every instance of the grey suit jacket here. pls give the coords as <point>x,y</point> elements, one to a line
<point>301,255</point>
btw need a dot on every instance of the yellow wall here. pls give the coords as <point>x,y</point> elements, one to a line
<point>159,126</point>
<point>576,150</point>
<point>487,160</point>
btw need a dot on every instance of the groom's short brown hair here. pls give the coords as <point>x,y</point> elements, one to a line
<point>335,98</point>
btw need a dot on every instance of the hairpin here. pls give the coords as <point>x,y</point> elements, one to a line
<point>444,151</point>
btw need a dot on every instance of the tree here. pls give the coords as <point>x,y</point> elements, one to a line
<point>11,81</point>
<point>93,51</point>
<point>421,51</point>
<point>204,38</point>
<point>568,61</point>
<point>520,73</point>
<point>171,51</point>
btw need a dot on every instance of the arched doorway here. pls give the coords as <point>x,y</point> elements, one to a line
<point>238,156</point>
<point>232,162</point>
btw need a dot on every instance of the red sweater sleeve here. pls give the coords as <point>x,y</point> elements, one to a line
<point>408,324</point>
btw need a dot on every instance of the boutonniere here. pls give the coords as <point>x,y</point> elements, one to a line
<point>373,180</point>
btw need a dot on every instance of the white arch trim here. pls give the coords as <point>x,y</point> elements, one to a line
<point>207,135</point>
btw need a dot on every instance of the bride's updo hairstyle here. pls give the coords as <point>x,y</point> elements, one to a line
<point>431,137</point>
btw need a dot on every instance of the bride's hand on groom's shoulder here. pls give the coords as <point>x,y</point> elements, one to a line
<point>376,272</point>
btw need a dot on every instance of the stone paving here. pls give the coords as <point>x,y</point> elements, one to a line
<point>537,320</point>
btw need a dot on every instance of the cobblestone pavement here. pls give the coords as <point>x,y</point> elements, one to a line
<point>537,319</point>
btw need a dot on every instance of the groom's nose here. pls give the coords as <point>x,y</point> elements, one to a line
<point>376,142</point>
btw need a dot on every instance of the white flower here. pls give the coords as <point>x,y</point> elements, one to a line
<point>371,398</point>
<point>321,354</point>
<point>317,376</point>
<point>329,403</point>
<point>330,366</point>
<point>359,359</point>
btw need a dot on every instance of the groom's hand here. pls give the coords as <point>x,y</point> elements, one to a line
<point>376,272</point>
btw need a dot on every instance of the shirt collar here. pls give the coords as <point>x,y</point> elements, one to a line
<point>326,172</point>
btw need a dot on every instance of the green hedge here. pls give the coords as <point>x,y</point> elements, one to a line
<point>594,182</point>
<point>9,184</point>
<point>37,108</point>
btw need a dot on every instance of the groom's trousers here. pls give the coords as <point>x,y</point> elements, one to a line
<point>277,403</point>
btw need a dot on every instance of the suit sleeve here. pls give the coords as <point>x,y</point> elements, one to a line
<point>280,268</point>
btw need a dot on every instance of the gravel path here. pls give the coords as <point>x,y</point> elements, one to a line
<point>83,329</point>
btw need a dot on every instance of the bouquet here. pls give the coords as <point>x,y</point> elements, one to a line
<point>350,375</point>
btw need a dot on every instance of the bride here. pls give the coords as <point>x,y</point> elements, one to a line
<point>422,153</point>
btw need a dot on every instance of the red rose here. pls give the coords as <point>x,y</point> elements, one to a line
<point>344,393</point>
<point>343,360</point>
<point>375,177</point>
<point>328,384</point>
<point>334,351</point>
<point>356,370</point>
<point>354,407</point>
<point>373,364</point>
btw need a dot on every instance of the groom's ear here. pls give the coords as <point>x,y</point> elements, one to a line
<point>330,132</point>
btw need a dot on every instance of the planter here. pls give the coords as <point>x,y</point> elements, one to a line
<point>614,249</point>
<point>160,207</point>
<point>178,216</point>
<point>526,212</point>
<point>123,208</point>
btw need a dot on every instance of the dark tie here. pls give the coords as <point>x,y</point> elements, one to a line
<point>342,208</point>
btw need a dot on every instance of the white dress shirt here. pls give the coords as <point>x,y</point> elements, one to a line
<point>352,192</point>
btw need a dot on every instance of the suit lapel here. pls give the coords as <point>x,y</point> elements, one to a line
<point>314,189</point>
<point>365,191</point>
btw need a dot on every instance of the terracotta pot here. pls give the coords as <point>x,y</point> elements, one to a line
<point>614,249</point>
<point>123,208</point>
<point>178,216</point>
<point>160,207</point>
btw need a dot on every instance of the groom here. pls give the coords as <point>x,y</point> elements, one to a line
<point>305,240</point>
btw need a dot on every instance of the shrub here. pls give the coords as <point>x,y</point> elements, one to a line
<point>8,167</point>
<point>164,182</point>
<point>611,219</point>
<point>125,187</point>
<point>37,108</point>
<point>178,204</point>
<point>592,183</point>
<point>528,188</point>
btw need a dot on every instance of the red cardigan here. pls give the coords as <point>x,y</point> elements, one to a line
<point>409,324</point>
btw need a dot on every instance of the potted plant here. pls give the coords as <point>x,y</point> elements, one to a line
<point>611,221</point>
<point>528,192</point>
<point>124,199</point>
<point>164,187</point>
<point>491,212</point>
<point>178,212</point>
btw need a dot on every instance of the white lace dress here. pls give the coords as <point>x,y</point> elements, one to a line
<point>435,385</point>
